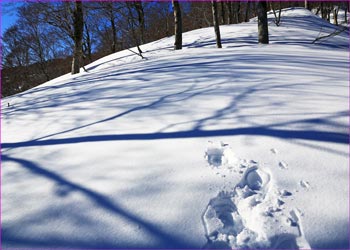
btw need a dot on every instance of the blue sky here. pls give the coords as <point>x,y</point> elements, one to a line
<point>8,14</point>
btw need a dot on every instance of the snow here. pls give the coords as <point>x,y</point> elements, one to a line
<point>341,17</point>
<point>245,146</point>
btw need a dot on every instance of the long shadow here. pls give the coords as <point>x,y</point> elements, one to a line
<point>202,68</point>
<point>164,238</point>
<point>303,22</point>
<point>152,105</point>
<point>157,99</point>
<point>323,136</point>
<point>230,108</point>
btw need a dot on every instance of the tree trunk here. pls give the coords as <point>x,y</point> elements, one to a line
<point>346,13</point>
<point>141,19</point>
<point>280,11</point>
<point>277,18</point>
<point>216,23</point>
<point>88,49</point>
<point>222,12</point>
<point>262,23</point>
<point>43,65</point>
<point>114,35</point>
<point>40,51</point>
<point>246,18</point>
<point>323,11</point>
<point>230,13</point>
<point>167,33</point>
<point>178,25</point>
<point>78,23</point>
<point>238,11</point>
<point>329,14</point>
<point>335,15</point>
<point>255,8</point>
<point>306,5</point>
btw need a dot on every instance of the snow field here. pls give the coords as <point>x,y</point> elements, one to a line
<point>118,157</point>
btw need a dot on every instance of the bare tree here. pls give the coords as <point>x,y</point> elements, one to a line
<point>178,25</point>
<point>198,16</point>
<point>112,18</point>
<point>78,24</point>
<point>237,11</point>
<point>87,42</point>
<point>16,51</point>
<point>222,5</point>
<point>277,17</point>
<point>246,17</point>
<point>141,20</point>
<point>68,18</point>
<point>131,23</point>
<point>113,26</point>
<point>306,4</point>
<point>216,23</point>
<point>335,14</point>
<point>230,12</point>
<point>263,31</point>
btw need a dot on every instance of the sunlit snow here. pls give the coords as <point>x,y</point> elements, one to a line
<point>244,146</point>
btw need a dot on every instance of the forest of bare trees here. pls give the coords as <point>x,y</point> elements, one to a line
<point>53,38</point>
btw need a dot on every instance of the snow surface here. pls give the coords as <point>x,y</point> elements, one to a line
<point>245,146</point>
<point>341,17</point>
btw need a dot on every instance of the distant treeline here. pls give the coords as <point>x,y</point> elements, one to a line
<point>54,38</point>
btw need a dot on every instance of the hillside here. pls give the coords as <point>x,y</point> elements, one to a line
<point>244,146</point>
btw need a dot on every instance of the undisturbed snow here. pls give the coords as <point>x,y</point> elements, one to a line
<point>245,146</point>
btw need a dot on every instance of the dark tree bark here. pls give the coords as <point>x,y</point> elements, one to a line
<point>132,24</point>
<point>346,11</point>
<point>263,31</point>
<point>222,5</point>
<point>307,6</point>
<point>246,18</point>
<point>42,61</point>
<point>329,10</point>
<point>254,5</point>
<point>78,24</point>
<point>230,13</point>
<point>38,47</point>
<point>178,25</point>
<point>114,35</point>
<point>141,20</point>
<point>110,13</point>
<point>167,32</point>
<point>335,14</point>
<point>238,9</point>
<point>87,47</point>
<point>216,23</point>
<point>323,11</point>
<point>317,11</point>
<point>277,18</point>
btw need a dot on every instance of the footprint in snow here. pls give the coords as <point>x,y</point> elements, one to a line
<point>219,154</point>
<point>252,216</point>
<point>282,165</point>
<point>273,150</point>
<point>304,184</point>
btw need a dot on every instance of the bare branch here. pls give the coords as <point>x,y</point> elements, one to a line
<point>334,33</point>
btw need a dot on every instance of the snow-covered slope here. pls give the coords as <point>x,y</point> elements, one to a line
<point>245,146</point>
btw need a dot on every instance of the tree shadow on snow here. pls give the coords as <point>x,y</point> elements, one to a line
<point>322,136</point>
<point>10,237</point>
